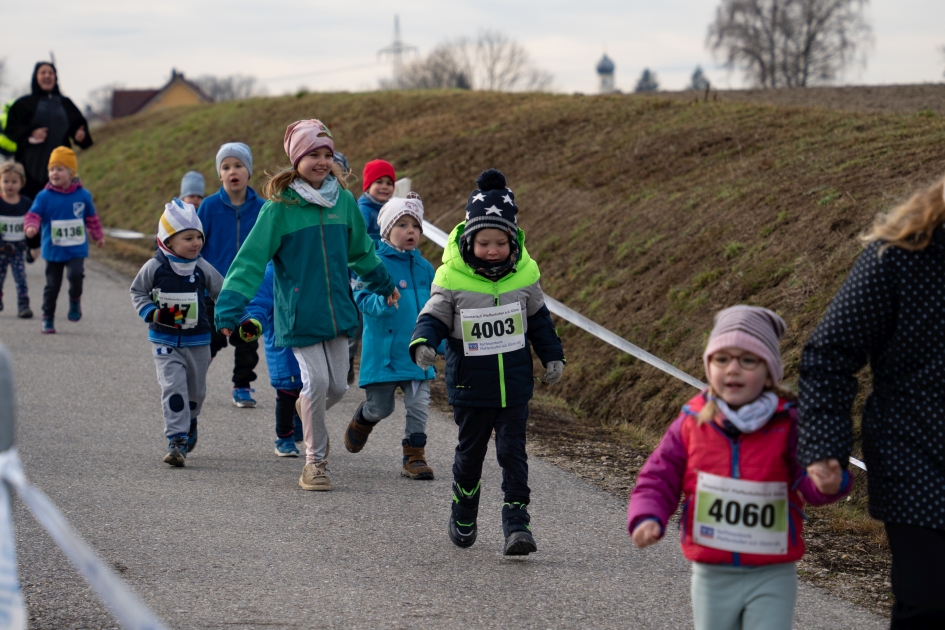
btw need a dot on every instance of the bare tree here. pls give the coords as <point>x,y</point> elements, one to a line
<point>231,88</point>
<point>941,49</point>
<point>99,100</point>
<point>493,62</point>
<point>447,66</point>
<point>789,43</point>
<point>698,82</point>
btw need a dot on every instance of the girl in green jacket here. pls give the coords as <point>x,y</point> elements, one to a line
<point>312,230</point>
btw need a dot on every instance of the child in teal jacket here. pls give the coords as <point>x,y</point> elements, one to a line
<point>313,232</point>
<point>385,356</point>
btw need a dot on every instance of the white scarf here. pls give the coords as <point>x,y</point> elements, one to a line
<point>751,417</point>
<point>326,196</point>
<point>181,266</point>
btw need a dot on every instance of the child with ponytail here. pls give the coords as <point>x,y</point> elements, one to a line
<point>732,453</point>
<point>313,232</point>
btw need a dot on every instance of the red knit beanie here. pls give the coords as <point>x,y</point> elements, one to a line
<point>376,169</point>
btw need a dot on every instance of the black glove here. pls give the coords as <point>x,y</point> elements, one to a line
<point>168,316</point>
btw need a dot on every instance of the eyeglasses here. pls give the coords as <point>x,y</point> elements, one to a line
<point>746,361</point>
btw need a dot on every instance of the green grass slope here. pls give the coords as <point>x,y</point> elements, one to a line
<point>646,214</point>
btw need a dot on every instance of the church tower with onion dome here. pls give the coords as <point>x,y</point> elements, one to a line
<point>605,70</point>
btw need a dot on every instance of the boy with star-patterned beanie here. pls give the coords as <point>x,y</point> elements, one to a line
<point>486,302</point>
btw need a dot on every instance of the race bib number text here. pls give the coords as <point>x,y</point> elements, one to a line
<point>11,229</point>
<point>741,516</point>
<point>492,330</point>
<point>67,233</point>
<point>188,303</point>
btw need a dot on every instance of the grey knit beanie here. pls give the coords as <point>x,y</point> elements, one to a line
<point>192,183</point>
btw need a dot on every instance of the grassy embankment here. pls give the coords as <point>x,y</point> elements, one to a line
<point>646,214</point>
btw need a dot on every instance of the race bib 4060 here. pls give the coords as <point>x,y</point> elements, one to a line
<point>741,516</point>
<point>492,330</point>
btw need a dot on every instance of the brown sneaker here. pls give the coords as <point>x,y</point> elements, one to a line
<point>415,463</point>
<point>356,435</point>
<point>315,477</point>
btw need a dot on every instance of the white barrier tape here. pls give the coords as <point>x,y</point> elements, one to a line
<point>440,237</point>
<point>12,606</point>
<point>124,604</point>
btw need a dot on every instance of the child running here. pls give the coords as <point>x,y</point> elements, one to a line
<point>228,216</point>
<point>487,303</point>
<point>13,207</point>
<point>168,293</point>
<point>63,213</point>
<point>313,232</point>
<point>284,373</point>
<point>732,452</point>
<point>378,181</point>
<point>385,358</point>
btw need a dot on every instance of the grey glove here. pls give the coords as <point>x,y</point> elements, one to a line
<point>553,372</point>
<point>424,356</point>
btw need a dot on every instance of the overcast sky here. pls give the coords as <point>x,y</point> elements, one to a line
<point>329,46</point>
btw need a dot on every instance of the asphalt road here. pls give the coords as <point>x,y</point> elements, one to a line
<point>231,541</point>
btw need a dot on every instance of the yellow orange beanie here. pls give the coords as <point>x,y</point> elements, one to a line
<point>64,156</point>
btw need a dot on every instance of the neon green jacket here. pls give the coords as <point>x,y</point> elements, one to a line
<point>5,143</point>
<point>498,380</point>
<point>311,248</point>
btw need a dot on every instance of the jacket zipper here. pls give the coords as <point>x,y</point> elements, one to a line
<point>495,295</point>
<point>331,306</point>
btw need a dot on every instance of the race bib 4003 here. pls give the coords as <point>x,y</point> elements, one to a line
<point>492,330</point>
<point>67,233</point>
<point>11,229</point>
<point>741,516</point>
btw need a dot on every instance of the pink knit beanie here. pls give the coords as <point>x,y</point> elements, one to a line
<point>305,136</point>
<point>752,329</point>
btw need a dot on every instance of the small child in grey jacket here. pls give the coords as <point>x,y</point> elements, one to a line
<point>168,294</point>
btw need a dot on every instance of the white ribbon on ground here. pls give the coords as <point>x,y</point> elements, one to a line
<point>125,605</point>
<point>440,237</point>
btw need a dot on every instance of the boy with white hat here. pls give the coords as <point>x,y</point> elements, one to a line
<point>168,294</point>
<point>385,356</point>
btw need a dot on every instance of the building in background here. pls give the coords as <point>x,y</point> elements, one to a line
<point>605,70</point>
<point>178,91</point>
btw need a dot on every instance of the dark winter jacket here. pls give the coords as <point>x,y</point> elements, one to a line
<point>495,380</point>
<point>39,109</point>
<point>889,313</point>
<point>369,210</point>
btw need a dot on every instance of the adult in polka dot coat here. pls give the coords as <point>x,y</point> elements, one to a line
<point>890,313</point>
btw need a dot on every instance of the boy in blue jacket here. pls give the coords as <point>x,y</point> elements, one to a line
<point>385,356</point>
<point>228,215</point>
<point>486,301</point>
<point>285,376</point>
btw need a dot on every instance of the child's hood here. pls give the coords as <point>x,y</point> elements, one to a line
<point>454,259</point>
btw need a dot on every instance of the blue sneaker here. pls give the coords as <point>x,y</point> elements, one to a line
<point>176,451</point>
<point>48,327</point>
<point>75,310</point>
<point>242,398</point>
<point>285,447</point>
<point>192,436</point>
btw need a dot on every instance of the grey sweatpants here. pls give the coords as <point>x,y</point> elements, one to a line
<point>380,404</point>
<point>182,375</point>
<point>725,597</point>
<point>324,382</point>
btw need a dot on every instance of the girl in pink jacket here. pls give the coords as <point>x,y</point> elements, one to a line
<point>732,454</point>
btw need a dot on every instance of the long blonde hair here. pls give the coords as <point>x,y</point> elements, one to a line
<point>711,409</point>
<point>910,225</point>
<point>276,184</point>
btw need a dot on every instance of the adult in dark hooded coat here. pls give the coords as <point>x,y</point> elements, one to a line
<point>42,121</point>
